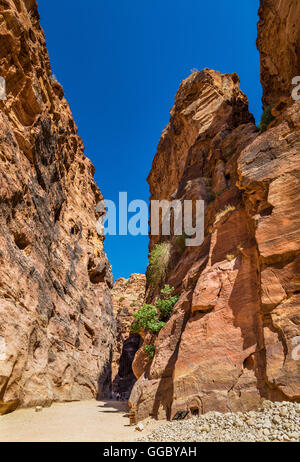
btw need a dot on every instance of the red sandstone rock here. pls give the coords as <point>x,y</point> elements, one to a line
<point>207,102</point>
<point>56,320</point>
<point>279,45</point>
<point>229,342</point>
<point>269,172</point>
<point>200,354</point>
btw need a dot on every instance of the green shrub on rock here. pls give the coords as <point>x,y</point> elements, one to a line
<point>146,318</point>
<point>152,318</point>
<point>166,303</point>
<point>158,262</point>
<point>150,350</point>
<point>266,119</point>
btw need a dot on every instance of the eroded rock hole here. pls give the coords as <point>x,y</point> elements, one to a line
<point>21,241</point>
<point>97,271</point>
<point>195,411</point>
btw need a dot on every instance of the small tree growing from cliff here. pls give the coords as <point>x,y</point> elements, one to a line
<point>158,262</point>
<point>150,350</point>
<point>266,119</point>
<point>147,319</point>
<point>152,318</point>
<point>166,303</point>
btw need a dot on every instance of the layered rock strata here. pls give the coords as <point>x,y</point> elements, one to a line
<point>56,317</point>
<point>232,338</point>
<point>279,45</point>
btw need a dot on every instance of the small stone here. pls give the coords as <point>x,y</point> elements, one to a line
<point>266,432</point>
<point>139,427</point>
<point>238,423</point>
<point>205,428</point>
<point>276,419</point>
<point>250,422</point>
<point>267,424</point>
<point>267,404</point>
<point>283,412</point>
<point>38,409</point>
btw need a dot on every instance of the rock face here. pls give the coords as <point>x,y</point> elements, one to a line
<point>231,339</point>
<point>207,103</point>
<point>56,318</point>
<point>269,174</point>
<point>279,21</point>
<point>128,296</point>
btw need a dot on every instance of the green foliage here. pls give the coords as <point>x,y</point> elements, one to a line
<point>158,262</point>
<point>152,318</point>
<point>150,350</point>
<point>266,119</point>
<point>167,291</point>
<point>156,326</point>
<point>166,303</point>
<point>133,304</point>
<point>121,299</point>
<point>146,318</point>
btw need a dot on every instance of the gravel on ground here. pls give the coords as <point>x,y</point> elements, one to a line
<point>272,422</point>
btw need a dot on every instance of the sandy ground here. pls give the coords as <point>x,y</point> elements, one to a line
<point>85,421</point>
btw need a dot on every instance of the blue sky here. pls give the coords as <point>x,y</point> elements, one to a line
<point>121,62</point>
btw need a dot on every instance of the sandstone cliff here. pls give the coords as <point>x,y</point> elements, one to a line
<point>56,319</point>
<point>229,341</point>
<point>279,45</point>
<point>128,296</point>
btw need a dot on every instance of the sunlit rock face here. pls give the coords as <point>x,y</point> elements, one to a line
<point>230,341</point>
<point>207,354</point>
<point>128,296</point>
<point>269,174</point>
<point>56,317</point>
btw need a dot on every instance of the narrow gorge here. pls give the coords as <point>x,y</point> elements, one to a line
<point>66,326</point>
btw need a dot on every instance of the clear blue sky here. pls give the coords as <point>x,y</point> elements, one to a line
<point>121,62</point>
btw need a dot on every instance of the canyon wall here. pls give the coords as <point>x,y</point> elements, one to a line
<point>279,45</point>
<point>56,317</point>
<point>230,341</point>
<point>128,296</point>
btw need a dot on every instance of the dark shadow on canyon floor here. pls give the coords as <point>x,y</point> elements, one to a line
<point>119,406</point>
